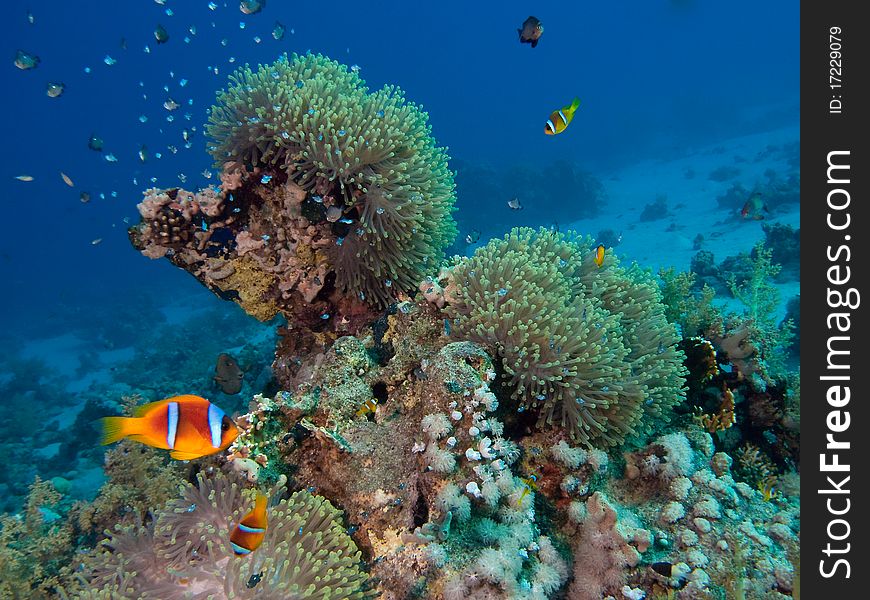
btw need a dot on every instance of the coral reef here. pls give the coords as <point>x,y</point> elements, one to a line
<point>653,211</point>
<point>775,192</point>
<point>784,243</point>
<point>723,173</point>
<point>590,346</point>
<point>185,552</point>
<point>36,546</point>
<point>358,172</point>
<point>678,506</point>
<point>760,299</point>
<point>447,490</point>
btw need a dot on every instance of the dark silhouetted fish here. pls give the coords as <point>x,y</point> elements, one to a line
<point>531,31</point>
<point>228,375</point>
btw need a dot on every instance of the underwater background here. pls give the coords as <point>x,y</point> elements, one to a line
<point>682,155</point>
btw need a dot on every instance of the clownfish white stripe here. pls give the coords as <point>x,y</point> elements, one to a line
<point>550,126</point>
<point>239,549</point>
<point>247,529</point>
<point>215,416</point>
<point>171,423</point>
<point>562,116</point>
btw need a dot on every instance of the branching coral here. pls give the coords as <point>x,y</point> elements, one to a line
<point>34,546</point>
<point>760,298</point>
<point>723,418</point>
<point>589,346</point>
<point>306,552</point>
<point>687,307</point>
<point>368,156</point>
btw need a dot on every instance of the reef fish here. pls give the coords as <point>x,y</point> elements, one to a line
<point>26,60</point>
<point>754,207</point>
<point>227,374</point>
<point>66,179</point>
<point>514,203</point>
<point>599,255</point>
<point>369,406</point>
<point>95,143</point>
<point>472,236</point>
<point>250,7</point>
<point>189,426</point>
<point>161,35</point>
<point>53,90</point>
<point>529,485</point>
<point>278,30</point>
<point>24,177</point>
<point>531,31</point>
<point>559,120</point>
<point>333,213</point>
<point>249,533</point>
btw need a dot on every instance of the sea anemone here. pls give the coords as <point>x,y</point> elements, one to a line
<point>372,153</point>
<point>185,551</point>
<point>587,346</point>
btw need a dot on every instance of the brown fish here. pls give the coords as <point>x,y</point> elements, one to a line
<point>227,374</point>
<point>531,31</point>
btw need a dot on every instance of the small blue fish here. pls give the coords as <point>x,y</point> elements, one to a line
<point>265,179</point>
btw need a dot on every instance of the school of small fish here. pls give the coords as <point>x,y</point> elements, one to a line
<point>165,31</point>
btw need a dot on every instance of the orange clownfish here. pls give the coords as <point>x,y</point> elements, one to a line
<point>599,255</point>
<point>249,533</point>
<point>188,425</point>
<point>560,119</point>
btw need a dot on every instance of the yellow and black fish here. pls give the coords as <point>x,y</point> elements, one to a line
<point>369,406</point>
<point>559,120</point>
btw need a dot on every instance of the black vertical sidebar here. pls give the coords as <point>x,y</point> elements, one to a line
<point>835,348</point>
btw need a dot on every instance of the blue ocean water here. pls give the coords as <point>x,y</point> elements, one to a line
<point>658,81</point>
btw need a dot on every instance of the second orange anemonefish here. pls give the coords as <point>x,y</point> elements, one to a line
<point>599,255</point>
<point>189,426</point>
<point>249,533</point>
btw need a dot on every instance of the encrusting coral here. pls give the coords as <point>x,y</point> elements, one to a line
<point>589,346</point>
<point>185,552</point>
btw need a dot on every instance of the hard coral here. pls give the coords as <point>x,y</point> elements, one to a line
<point>306,552</point>
<point>590,347</point>
<point>385,190</point>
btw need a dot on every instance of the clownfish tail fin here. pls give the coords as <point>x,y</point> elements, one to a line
<point>114,429</point>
